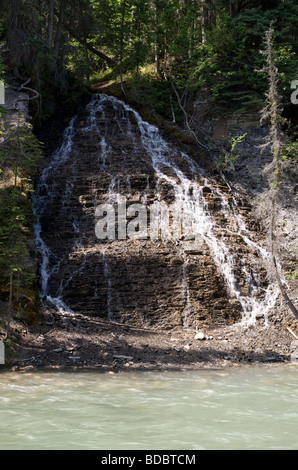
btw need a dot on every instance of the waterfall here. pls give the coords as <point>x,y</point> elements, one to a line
<point>108,281</point>
<point>41,199</point>
<point>196,207</point>
<point>185,296</point>
<point>117,142</point>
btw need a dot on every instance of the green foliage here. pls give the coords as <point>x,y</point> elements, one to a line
<point>2,69</point>
<point>283,15</point>
<point>156,95</point>
<point>211,44</point>
<point>228,161</point>
<point>16,220</point>
<point>17,265</point>
<point>290,151</point>
<point>227,63</point>
<point>11,352</point>
<point>292,275</point>
<point>227,68</point>
<point>23,154</point>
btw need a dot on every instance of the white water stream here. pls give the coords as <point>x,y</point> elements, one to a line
<point>188,190</point>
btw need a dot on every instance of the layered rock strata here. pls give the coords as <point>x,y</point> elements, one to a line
<point>213,277</point>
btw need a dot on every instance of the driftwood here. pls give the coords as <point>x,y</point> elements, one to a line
<point>24,87</point>
<point>98,321</point>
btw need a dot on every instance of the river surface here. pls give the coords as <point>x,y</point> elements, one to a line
<point>238,409</point>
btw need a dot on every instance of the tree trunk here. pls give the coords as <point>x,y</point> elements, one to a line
<point>18,288</point>
<point>122,44</point>
<point>85,44</point>
<point>9,304</point>
<point>204,21</point>
<point>92,49</point>
<point>51,22</point>
<point>156,44</point>
<point>191,36</point>
<point>16,36</point>
<point>58,39</point>
<point>18,151</point>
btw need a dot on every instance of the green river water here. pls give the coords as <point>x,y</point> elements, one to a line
<point>250,408</point>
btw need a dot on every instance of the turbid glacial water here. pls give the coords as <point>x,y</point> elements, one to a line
<point>246,408</point>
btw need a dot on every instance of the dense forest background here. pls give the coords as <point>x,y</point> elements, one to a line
<point>163,53</point>
<point>64,45</point>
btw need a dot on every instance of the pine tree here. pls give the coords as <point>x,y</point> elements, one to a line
<point>14,252</point>
<point>22,153</point>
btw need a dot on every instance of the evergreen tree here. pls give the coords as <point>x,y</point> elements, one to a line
<point>15,260</point>
<point>22,153</point>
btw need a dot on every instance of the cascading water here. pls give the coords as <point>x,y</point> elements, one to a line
<point>110,152</point>
<point>42,197</point>
<point>196,207</point>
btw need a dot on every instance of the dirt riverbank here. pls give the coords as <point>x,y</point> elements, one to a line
<point>76,343</point>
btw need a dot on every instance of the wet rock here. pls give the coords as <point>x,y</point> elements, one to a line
<point>200,336</point>
<point>294,352</point>
<point>141,282</point>
<point>294,357</point>
<point>294,346</point>
<point>123,358</point>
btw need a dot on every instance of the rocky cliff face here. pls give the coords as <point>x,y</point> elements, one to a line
<point>211,276</point>
<point>252,178</point>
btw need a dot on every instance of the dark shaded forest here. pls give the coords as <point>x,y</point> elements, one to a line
<point>63,46</point>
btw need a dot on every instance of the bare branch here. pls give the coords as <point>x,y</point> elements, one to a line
<point>186,115</point>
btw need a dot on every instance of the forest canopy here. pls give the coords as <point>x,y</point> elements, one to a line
<point>200,44</point>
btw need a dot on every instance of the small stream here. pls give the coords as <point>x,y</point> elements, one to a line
<point>250,408</point>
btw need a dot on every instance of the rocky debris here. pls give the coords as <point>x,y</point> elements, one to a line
<point>294,352</point>
<point>201,336</point>
<point>97,344</point>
